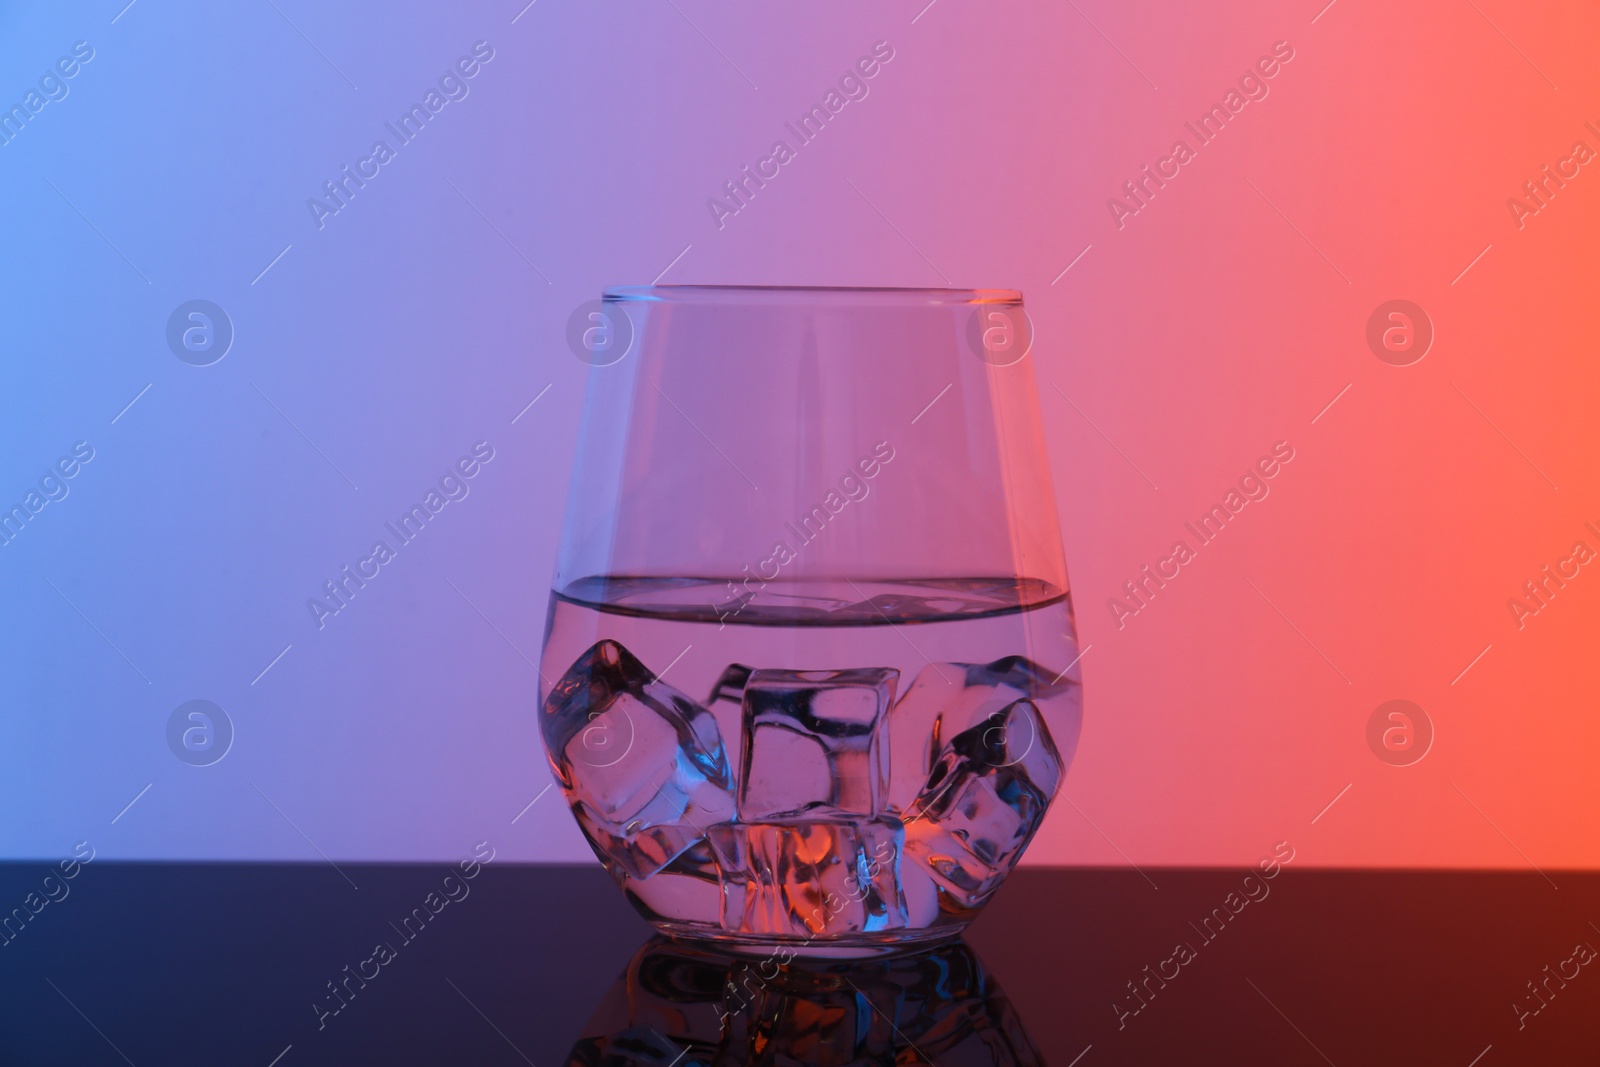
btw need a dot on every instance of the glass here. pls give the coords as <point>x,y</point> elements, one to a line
<point>810,675</point>
<point>936,1006</point>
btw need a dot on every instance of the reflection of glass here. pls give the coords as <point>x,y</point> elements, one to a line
<point>682,1005</point>
<point>810,665</point>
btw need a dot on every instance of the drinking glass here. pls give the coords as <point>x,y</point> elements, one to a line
<point>810,674</point>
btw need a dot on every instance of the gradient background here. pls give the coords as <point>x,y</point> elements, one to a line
<point>425,316</point>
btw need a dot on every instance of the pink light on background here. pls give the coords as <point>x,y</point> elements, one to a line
<point>1226,319</point>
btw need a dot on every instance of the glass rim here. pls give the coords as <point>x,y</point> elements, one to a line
<point>824,294</point>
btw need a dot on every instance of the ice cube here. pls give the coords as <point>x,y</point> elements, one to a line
<point>729,687</point>
<point>949,698</point>
<point>983,802</point>
<point>921,894</point>
<point>655,838</point>
<point>726,702</point>
<point>815,739</point>
<point>643,765</point>
<point>686,890</point>
<point>599,676</point>
<point>810,876</point>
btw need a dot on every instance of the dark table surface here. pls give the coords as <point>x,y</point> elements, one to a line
<point>232,964</point>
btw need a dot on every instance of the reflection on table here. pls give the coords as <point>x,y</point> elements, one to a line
<point>684,1005</point>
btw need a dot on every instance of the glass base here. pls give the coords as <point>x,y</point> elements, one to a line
<point>840,946</point>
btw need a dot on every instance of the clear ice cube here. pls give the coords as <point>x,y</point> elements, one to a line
<point>726,703</point>
<point>689,886</point>
<point>811,876</point>
<point>729,687</point>
<point>643,765</point>
<point>946,699</point>
<point>983,801</point>
<point>815,739</point>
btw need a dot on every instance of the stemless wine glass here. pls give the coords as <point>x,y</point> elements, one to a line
<point>811,670</point>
